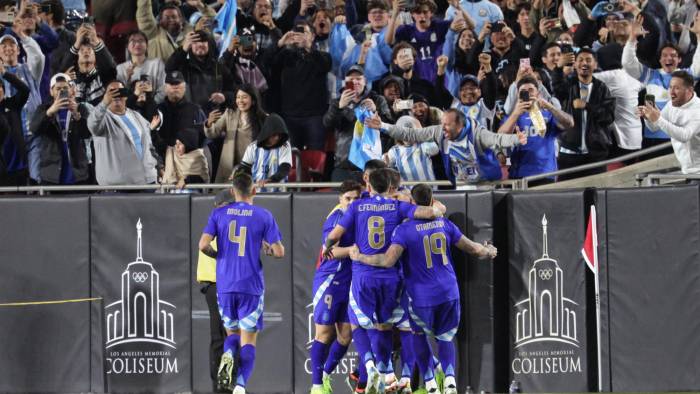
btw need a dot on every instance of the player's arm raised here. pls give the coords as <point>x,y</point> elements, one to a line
<point>384,260</point>
<point>205,245</point>
<point>485,250</point>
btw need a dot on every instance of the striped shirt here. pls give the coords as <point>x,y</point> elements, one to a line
<point>413,161</point>
<point>265,162</point>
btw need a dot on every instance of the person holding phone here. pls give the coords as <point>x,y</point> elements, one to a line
<point>61,124</point>
<point>140,65</point>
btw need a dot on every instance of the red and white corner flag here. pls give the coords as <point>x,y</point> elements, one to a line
<point>590,244</point>
<point>590,255</point>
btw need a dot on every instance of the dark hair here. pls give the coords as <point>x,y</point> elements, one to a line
<point>672,46</point>
<point>525,80</point>
<point>379,180</point>
<point>373,165</point>
<point>377,4</point>
<point>394,177</point>
<point>526,6</point>
<point>243,184</point>
<point>7,3</point>
<point>585,50</point>
<point>136,33</point>
<point>58,12</point>
<point>258,113</point>
<point>402,45</point>
<point>170,6</point>
<point>429,3</point>
<point>422,194</point>
<point>461,118</point>
<point>350,185</point>
<point>686,78</point>
<point>547,47</point>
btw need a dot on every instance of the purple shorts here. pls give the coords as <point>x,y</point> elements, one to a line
<point>330,300</point>
<point>241,311</point>
<point>375,301</point>
<point>439,321</point>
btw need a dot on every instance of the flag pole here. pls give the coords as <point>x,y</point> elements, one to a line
<point>597,296</point>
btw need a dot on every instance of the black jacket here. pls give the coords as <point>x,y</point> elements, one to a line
<point>343,122</point>
<point>50,158</point>
<point>600,110</point>
<point>203,77</point>
<point>91,86</point>
<point>11,110</point>
<point>303,83</point>
<point>273,124</point>
<point>175,117</point>
<point>66,39</point>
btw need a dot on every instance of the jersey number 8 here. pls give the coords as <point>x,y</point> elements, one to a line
<point>375,227</point>
<point>237,239</point>
<point>436,243</point>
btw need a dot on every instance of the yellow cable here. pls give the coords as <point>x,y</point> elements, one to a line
<point>50,302</point>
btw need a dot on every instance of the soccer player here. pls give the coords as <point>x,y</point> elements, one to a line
<point>241,230</point>
<point>430,282</point>
<point>375,292</point>
<point>331,290</point>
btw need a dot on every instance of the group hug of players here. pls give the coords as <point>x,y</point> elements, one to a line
<point>385,265</point>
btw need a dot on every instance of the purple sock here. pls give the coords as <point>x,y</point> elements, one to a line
<point>232,343</point>
<point>335,354</point>
<point>247,358</point>
<point>423,356</point>
<point>362,383</point>
<point>319,352</point>
<point>362,344</point>
<point>446,354</point>
<point>382,344</point>
<point>407,355</point>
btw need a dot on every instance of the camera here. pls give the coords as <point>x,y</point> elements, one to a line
<point>524,95</point>
<point>610,6</point>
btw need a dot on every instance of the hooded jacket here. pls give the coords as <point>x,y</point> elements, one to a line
<point>274,124</point>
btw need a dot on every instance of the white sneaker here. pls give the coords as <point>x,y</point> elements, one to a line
<point>373,380</point>
<point>451,389</point>
<point>239,390</point>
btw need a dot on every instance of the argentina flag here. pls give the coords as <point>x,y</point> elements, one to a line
<point>366,144</point>
<point>226,24</point>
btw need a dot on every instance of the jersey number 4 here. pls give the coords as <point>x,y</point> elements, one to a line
<point>436,243</point>
<point>237,239</point>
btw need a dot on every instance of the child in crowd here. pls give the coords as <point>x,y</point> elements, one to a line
<point>185,162</point>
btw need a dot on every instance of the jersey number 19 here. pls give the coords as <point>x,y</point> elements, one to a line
<point>435,243</point>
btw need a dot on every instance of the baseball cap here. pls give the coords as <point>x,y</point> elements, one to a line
<point>355,69</point>
<point>172,78</point>
<point>60,77</point>
<point>223,197</point>
<point>8,37</point>
<point>469,78</point>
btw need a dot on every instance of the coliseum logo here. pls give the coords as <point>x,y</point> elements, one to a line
<point>140,317</point>
<point>546,317</point>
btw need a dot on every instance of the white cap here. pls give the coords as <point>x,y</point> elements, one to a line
<point>8,37</point>
<point>55,78</point>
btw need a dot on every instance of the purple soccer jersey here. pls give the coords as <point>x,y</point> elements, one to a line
<point>240,229</point>
<point>427,264</point>
<point>428,45</point>
<point>371,220</point>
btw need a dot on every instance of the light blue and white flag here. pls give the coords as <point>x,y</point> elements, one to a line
<point>366,144</point>
<point>226,24</point>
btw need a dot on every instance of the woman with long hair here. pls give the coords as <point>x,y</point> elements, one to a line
<point>238,125</point>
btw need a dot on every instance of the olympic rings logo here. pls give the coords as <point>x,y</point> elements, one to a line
<point>545,274</point>
<point>140,277</point>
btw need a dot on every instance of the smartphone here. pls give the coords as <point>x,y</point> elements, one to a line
<point>349,85</point>
<point>246,41</point>
<point>143,78</point>
<point>45,8</point>
<point>123,92</point>
<point>556,23</point>
<point>641,98</point>
<point>88,20</point>
<point>299,29</point>
<point>63,94</point>
<point>649,98</point>
<point>524,95</point>
<point>404,105</point>
<point>497,27</point>
<point>525,62</point>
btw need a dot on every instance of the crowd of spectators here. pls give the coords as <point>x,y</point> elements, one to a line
<point>149,91</point>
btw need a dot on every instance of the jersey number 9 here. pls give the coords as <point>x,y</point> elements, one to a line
<point>436,243</point>
<point>237,239</point>
<point>375,228</point>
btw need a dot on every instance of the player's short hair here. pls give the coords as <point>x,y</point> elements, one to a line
<point>379,180</point>
<point>459,115</point>
<point>374,164</point>
<point>394,178</point>
<point>350,185</point>
<point>422,194</point>
<point>525,80</point>
<point>243,184</point>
